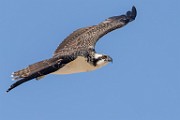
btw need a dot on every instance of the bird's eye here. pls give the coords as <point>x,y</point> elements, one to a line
<point>104,57</point>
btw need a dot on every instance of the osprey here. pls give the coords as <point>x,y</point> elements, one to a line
<point>76,53</point>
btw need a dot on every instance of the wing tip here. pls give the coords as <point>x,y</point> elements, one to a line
<point>17,83</point>
<point>126,18</point>
<point>132,14</point>
<point>8,90</point>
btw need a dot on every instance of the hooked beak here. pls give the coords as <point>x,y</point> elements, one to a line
<point>109,59</point>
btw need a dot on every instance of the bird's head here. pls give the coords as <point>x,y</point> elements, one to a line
<point>101,60</point>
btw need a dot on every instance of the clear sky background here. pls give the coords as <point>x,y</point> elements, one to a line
<point>143,82</point>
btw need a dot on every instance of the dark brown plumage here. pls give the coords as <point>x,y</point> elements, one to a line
<point>85,38</point>
<point>80,43</point>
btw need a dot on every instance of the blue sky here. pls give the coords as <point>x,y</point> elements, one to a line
<point>143,83</point>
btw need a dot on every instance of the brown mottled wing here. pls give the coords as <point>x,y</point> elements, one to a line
<point>85,38</point>
<point>71,41</point>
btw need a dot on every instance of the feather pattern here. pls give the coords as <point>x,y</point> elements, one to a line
<point>80,43</point>
<point>37,70</point>
<point>86,38</point>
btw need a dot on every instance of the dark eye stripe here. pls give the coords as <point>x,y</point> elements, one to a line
<point>104,57</point>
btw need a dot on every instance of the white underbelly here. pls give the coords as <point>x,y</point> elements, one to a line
<point>80,64</point>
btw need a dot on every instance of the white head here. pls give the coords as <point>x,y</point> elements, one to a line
<point>101,60</point>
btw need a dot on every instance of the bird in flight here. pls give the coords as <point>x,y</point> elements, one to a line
<point>76,53</point>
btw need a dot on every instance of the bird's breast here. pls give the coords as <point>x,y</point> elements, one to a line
<point>80,64</point>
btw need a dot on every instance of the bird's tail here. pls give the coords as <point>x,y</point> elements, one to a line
<point>35,70</point>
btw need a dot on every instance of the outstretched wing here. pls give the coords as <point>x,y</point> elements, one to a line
<point>85,38</point>
<point>37,70</point>
<point>71,42</point>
